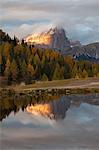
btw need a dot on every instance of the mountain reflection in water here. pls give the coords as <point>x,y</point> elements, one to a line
<point>54,108</point>
<point>68,122</point>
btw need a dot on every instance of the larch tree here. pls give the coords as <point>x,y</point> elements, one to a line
<point>44,77</point>
<point>57,73</point>
<point>14,70</point>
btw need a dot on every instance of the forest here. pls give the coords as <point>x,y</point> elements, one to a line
<point>20,62</point>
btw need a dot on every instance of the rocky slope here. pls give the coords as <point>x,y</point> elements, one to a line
<point>87,52</point>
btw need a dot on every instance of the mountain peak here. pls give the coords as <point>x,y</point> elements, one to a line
<point>54,38</point>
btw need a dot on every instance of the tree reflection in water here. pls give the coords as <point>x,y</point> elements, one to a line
<point>51,106</point>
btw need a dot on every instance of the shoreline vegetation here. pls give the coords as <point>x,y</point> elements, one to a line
<point>13,98</point>
<point>58,87</point>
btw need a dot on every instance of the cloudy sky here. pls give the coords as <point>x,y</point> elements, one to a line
<point>80,18</point>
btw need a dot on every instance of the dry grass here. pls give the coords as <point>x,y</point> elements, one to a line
<point>69,83</point>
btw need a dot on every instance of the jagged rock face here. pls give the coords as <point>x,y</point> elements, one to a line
<point>54,39</point>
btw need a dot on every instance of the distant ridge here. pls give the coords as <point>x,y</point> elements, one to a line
<point>87,52</point>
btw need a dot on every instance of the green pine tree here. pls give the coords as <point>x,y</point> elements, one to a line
<point>44,77</point>
<point>14,70</point>
<point>57,73</point>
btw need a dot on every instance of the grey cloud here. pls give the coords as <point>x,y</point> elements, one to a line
<point>53,6</point>
<point>79,18</point>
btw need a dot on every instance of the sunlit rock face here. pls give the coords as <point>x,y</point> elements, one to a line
<point>55,38</point>
<point>39,39</point>
<point>54,110</point>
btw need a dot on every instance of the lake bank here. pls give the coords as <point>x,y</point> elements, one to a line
<point>60,84</point>
<point>59,87</point>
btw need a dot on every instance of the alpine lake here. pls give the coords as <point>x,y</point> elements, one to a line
<point>49,122</point>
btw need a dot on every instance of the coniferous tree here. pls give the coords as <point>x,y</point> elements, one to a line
<point>57,73</point>
<point>67,71</point>
<point>44,77</point>
<point>1,65</point>
<point>23,70</point>
<point>84,74</point>
<point>14,70</point>
<point>7,48</point>
<point>30,73</point>
<point>36,59</point>
<point>7,72</point>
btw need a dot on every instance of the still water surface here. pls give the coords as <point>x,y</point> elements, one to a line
<point>66,123</point>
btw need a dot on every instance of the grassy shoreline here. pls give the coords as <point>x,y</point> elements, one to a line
<point>60,84</point>
<point>70,86</point>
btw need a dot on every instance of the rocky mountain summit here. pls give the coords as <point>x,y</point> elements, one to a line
<point>54,38</point>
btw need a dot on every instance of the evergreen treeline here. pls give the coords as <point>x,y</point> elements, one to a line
<point>22,63</point>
